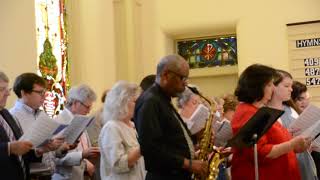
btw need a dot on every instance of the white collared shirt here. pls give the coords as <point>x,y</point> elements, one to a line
<point>25,115</point>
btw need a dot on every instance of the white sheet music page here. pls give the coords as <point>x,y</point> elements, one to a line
<point>312,131</point>
<point>65,117</point>
<point>309,117</point>
<point>316,144</point>
<point>75,129</point>
<point>41,131</point>
<point>199,118</point>
<point>223,132</point>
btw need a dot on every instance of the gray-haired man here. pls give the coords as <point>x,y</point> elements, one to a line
<point>74,165</point>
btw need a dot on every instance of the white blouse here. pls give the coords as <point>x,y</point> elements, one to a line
<point>116,140</point>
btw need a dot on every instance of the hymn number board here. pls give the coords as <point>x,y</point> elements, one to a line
<point>312,71</point>
<point>304,54</point>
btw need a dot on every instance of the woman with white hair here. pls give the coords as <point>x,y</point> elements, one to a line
<point>187,102</point>
<point>120,150</point>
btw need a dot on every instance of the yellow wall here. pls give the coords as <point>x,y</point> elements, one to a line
<point>17,39</point>
<point>260,27</point>
<point>213,86</point>
<point>92,51</point>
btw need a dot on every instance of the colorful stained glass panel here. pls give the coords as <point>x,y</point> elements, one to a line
<point>52,58</point>
<point>210,52</point>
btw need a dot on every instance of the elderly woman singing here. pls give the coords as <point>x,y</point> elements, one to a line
<point>120,151</point>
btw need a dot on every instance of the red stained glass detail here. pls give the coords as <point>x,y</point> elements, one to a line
<point>208,51</point>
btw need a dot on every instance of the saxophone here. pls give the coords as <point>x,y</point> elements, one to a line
<point>206,145</point>
<point>214,163</point>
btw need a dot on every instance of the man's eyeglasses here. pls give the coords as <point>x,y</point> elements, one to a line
<point>182,77</point>
<point>3,89</point>
<point>41,93</point>
<point>84,105</point>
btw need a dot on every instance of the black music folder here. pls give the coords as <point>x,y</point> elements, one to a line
<point>258,124</point>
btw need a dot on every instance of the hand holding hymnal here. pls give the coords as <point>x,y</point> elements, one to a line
<point>40,132</point>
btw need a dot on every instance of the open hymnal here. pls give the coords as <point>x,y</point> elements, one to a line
<point>74,130</point>
<point>223,132</point>
<point>41,131</point>
<point>198,119</point>
<point>63,119</point>
<point>314,133</point>
<point>306,123</point>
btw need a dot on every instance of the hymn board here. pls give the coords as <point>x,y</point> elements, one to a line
<point>304,56</point>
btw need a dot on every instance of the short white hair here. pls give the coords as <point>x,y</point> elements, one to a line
<point>184,97</point>
<point>80,93</point>
<point>115,105</point>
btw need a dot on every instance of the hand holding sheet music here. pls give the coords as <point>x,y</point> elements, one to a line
<point>40,132</point>
<point>314,133</point>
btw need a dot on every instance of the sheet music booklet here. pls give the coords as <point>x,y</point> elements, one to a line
<point>41,131</point>
<point>308,125</point>
<point>223,132</point>
<point>46,128</point>
<point>198,118</point>
<point>73,131</point>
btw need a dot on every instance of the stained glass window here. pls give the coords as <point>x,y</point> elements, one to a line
<point>210,52</point>
<point>52,57</point>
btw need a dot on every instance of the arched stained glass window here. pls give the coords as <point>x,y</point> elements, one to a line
<point>52,56</point>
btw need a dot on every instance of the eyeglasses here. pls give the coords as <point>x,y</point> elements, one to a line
<point>3,89</point>
<point>41,93</point>
<point>84,105</point>
<point>181,77</point>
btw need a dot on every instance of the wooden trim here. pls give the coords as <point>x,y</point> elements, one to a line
<point>301,23</point>
<point>214,71</point>
<point>205,37</point>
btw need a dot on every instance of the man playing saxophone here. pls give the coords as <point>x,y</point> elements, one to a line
<point>164,138</point>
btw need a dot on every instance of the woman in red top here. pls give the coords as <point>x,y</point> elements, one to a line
<point>276,149</point>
